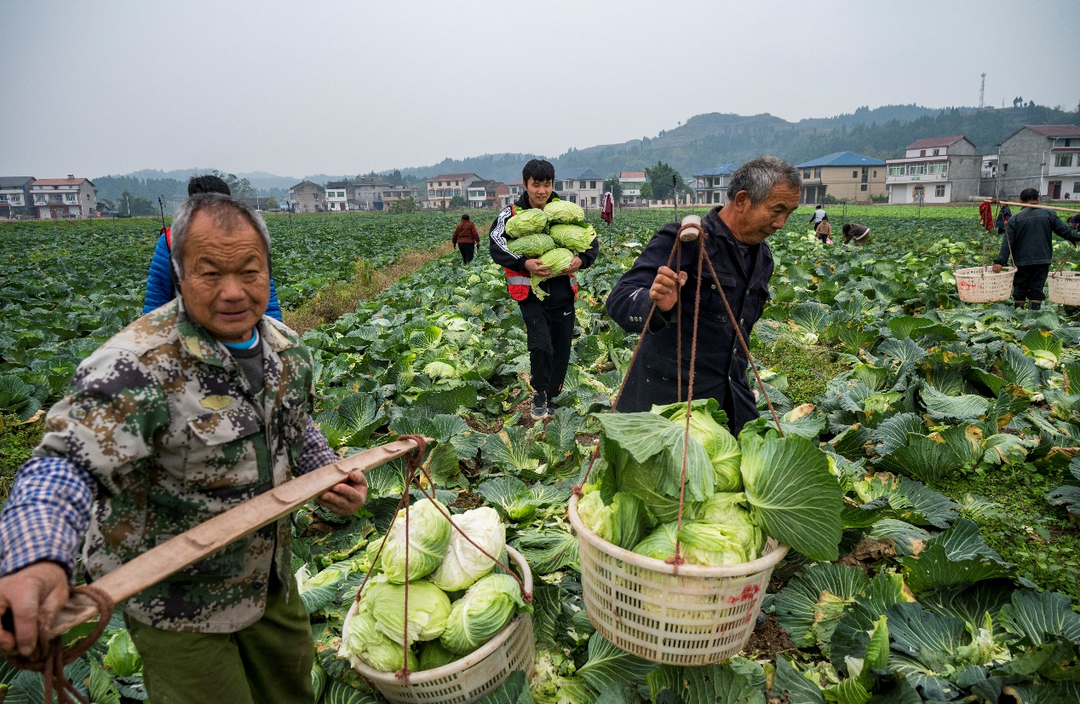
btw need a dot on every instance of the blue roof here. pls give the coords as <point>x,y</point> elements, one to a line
<point>841,159</point>
<point>577,174</point>
<point>722,170</point>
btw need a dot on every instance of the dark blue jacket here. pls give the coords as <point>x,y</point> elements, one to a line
<point>159,284</point>
<point>721,363</point>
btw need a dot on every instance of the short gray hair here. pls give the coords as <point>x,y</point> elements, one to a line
<point>758,176</point>
<point>225,210</point>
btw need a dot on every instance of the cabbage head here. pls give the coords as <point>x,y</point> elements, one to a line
<point>429,608</point>
<point>708,427</point>
<point>433,655</point>
<point>621,523</point>
<point>429,536</point>
<point>574,237</point>
<point>531,245</point>
<point>660,544</point>
<point>482,612</point>
<point>559,260</point>
<point>530,221</point>
<point>464,563</point>
<point>362,639</point>
<point>715,544</point>
<point>564,212</point>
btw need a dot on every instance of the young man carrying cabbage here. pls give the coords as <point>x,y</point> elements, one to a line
<point>549,318</point>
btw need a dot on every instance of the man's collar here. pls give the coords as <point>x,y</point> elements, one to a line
<point>199,343</point>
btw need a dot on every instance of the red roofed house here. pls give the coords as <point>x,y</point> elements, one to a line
<point>1046,157</point>
<point>55,198</point>
<point>934,170</point>
<point>442,188</point>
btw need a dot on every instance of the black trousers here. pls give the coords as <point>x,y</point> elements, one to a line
<point>550,331</point>
<point>1029,281</point>
<point>468,249</point>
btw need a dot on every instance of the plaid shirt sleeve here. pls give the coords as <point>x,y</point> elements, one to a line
<point>315,451</point>
<point>46,515</point>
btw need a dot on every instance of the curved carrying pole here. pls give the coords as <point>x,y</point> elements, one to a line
<point>193,545</point>
<point>1024,205</point>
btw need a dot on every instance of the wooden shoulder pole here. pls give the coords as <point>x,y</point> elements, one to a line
<point>193,545</point>
<point>1025,205</point>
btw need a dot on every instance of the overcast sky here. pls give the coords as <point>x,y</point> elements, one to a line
<point>298,88</point>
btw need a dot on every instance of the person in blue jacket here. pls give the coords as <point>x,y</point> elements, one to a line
<point>160,288</point>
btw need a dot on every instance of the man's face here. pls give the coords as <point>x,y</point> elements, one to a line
<point>757,222</point>
<point>539,192</point>
<point>226,284</point>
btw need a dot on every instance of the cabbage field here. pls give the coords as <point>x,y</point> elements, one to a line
<point>951,433</point>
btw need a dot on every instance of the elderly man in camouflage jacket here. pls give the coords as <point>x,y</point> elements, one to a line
<point>190,410</point>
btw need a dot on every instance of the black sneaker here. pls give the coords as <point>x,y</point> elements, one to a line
<point>539,405</point>
<point>552,408</point>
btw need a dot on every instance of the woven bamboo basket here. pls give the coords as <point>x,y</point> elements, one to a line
<point>700,616</point>
<point>981,285</point>
<point>1064,288</point>
<point>472,676</point>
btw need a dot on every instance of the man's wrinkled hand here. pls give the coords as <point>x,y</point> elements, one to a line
<point>664,290</point>
<point>33,595</point>
<point>997,268</point>
<point>346,498</point>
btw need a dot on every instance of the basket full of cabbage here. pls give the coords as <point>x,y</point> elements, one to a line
<point>467,625</point>
<point>743,503</point>
<point>553,235</point>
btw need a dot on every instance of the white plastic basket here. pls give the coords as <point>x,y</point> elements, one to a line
<point>1064,288</point>
<point>700,616</point>
<point>981,285</point>
<point>472,676</point>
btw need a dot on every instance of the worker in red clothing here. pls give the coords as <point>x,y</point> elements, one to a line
<point>465,238</point>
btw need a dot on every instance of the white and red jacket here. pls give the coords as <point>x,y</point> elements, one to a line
<point>560,288</point>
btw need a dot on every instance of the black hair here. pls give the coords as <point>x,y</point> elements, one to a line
<point>465,216</point>
<point>1029,194</point>
<point>207,183</point>
<point>537,170</point>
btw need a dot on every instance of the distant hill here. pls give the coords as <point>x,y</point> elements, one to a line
<point>705,141</point>
<point>702,142</point>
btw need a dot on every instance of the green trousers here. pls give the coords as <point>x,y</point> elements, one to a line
<point>266,663</point>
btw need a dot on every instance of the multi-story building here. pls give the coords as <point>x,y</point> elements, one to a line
<point>55,198</point>
<point>846,176</point>
<point>1045,157</point>
<point>443,188</point>
<point>337,196</point>
<point>481,194</point>
<point>515,190</point>
<point>366,194</point>
<point>631,182</point>
<point>710,187</point>
<point>389,194</point>
<point>934,170</point>
<point>307,197</point>
<point>15,195</point>
<point>582,186</point>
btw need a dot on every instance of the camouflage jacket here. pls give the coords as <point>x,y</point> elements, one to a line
<point>166,422</point>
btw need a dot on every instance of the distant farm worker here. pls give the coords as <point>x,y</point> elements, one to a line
<point>1074,222</point>
<point>465,238</point>
<point>854,232</point>
<point>549,323</point>
<point>817,216</point>
<point>190,410</point>
<point>1028,233</point>
<point>160,287</point>
<point>763,193</point>
<point>1004,213</point>
<point>824,231</point>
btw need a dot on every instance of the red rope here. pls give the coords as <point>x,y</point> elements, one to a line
<point>51,658</point>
